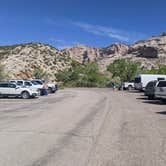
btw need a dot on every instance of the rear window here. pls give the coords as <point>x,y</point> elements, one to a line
<point>151,84</point>
<point>137,79</point>
<point>12,86</point>
<point>162,84</point>
<point>4,85</point>
<point>160,79</point>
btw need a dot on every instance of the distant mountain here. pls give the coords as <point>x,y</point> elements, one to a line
<point>20,60</point>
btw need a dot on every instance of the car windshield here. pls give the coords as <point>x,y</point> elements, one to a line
<point>37,82</point>
<point>34,83</point>
<point>137,79</point>
<point>151,84</point>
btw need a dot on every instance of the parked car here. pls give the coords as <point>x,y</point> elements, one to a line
<point>128,85</point>
<point>150,89</point>
<point>160,90</point>
<point>142,80</point>
<point>51,87</point>
<point>27,84</point>
<point>10,89</point>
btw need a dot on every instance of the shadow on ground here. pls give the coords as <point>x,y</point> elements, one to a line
<point>162,112</point>
<point>154,102</point>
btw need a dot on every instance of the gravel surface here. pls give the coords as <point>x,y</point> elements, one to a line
<point>83,127</point>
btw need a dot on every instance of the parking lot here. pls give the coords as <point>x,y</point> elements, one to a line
<point>83,127</point>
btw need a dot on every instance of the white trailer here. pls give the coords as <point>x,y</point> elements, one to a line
<point>141,80</point>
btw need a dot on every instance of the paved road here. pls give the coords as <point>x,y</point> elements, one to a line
<point>83,127</point>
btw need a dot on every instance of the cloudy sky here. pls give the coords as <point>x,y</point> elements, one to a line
<point>65,23</point>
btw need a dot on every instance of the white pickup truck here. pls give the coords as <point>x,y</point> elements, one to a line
<point>128,85</point>
<point>9,89</point>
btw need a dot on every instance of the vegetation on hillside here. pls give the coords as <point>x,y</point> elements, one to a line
<point>39,73</point>
<point>3,75</point>
<point>160,70</point>
<point>78,75</point>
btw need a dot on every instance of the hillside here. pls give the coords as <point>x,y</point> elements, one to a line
<point>21,60</point>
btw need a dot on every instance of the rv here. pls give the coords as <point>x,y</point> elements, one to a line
<point>142,80</point>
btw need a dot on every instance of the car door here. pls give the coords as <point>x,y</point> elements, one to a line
<point>13,90</point>
<point>161,88</point>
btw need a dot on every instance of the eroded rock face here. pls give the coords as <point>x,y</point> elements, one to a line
<point>144,51</point>
<point>116,49</point>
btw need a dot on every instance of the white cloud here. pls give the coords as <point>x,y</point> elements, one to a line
<point>110,32</point>
<point>62,44</point>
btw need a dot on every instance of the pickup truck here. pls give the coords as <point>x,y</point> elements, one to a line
<point>128,85</point>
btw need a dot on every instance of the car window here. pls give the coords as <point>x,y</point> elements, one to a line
<point>34,83</point>
<point>12,81</point>
<point>19,83</point>
<point>160,79</point>
<point>151,84</point>
<point>162,84</point>
<point>27,84</point>
<point>12,86</point>
<point>137,79</point>
<point>37,82</point>
<point>4,85</point>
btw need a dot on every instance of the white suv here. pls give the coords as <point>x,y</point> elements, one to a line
<point>27,84</point>
<point>9,89</point>
<point>160,90</point>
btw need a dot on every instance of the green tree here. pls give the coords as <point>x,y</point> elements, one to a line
<point>39,73</point>
<point>78,75</point>
<point>125,69</point>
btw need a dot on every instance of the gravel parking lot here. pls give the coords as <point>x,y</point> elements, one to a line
<point>83,127</point>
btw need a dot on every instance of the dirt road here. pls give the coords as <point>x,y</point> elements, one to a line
<point>83,127</point>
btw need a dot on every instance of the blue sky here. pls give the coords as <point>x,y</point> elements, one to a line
<point>65,23</point>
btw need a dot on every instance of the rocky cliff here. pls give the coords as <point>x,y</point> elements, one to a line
<point>21,60</point>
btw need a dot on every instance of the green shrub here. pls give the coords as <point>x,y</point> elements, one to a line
<point>82,76</point>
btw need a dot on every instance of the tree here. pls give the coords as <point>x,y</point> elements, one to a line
<point>39,73</point>
<point>125,69</point>
<point>78,75</point>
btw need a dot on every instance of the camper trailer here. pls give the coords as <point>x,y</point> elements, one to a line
<point>142,80</point>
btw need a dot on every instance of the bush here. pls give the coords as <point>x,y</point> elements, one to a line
<point>82,76</point>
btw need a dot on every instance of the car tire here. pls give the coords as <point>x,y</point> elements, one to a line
<point>25,95</point>
<point>150,97</point>
<point>163,100</point>
<point>130,87</point>
<point>50,90</point>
